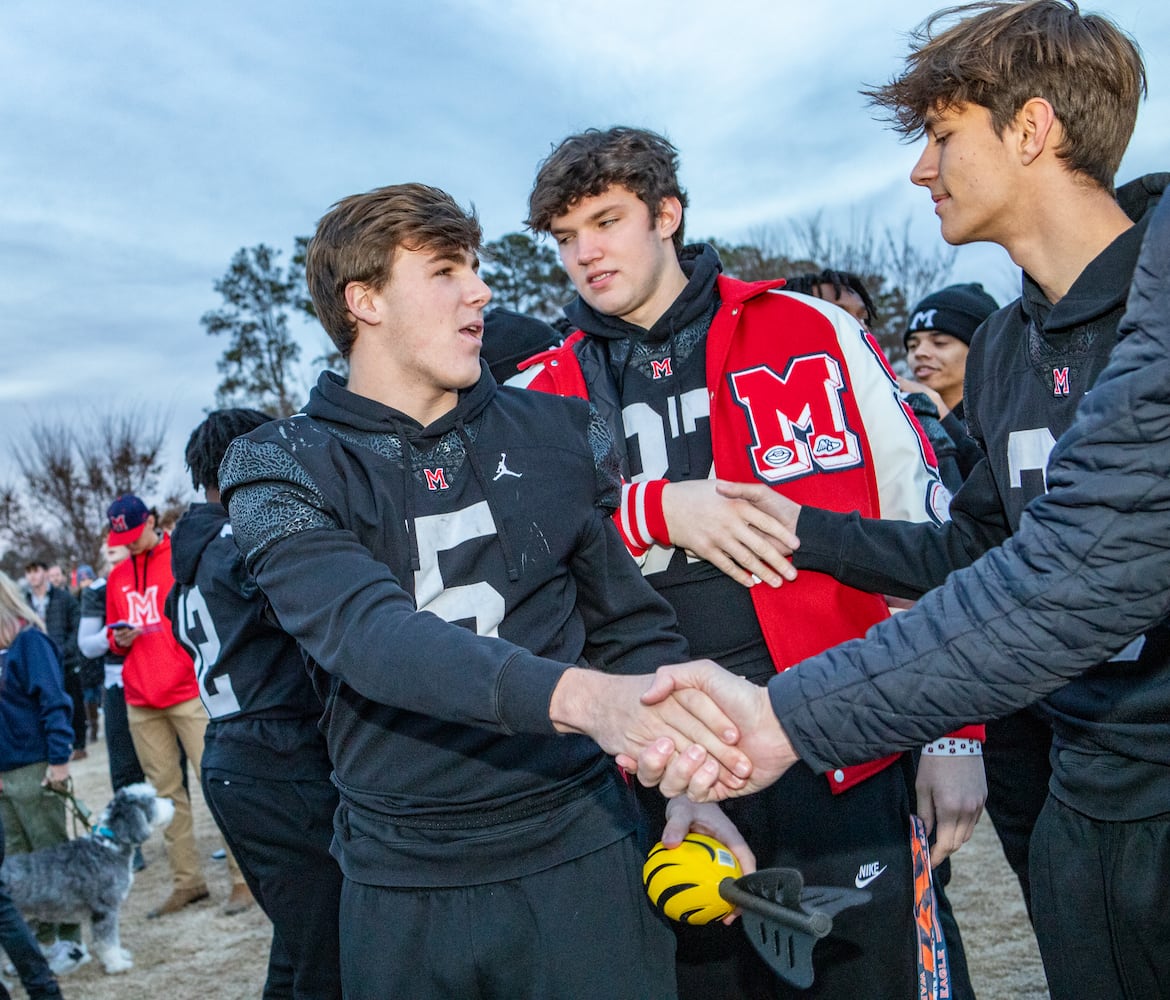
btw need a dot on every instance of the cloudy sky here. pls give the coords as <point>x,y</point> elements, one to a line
<point>142,144</point>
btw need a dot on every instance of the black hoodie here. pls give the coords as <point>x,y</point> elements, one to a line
<point>1030,368</point>
<point>715,613</point>
<point>252,677</point>
<point>498,521</point>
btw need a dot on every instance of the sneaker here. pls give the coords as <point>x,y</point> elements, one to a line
<point>66,956</point>
<point>177,900</point>
<point>219,855</point>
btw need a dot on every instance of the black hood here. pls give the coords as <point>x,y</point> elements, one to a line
<point>700,263</point>
<point>1104,284</point>
<point>196,529</point>
<point>331,401</point>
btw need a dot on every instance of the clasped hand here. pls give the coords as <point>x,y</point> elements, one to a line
<point>741,528</point>
<point>693,728</point>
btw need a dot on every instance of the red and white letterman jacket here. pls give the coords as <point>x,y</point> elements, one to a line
<point>801,398</point>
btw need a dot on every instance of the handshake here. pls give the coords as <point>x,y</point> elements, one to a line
<point>691,728</point>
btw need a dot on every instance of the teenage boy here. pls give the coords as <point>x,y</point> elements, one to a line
<point>938,340</point>
<point>1027,109</point>
<point>162,697</point>
<point>1049,136</point>
<point>443,553</point>
<point>265,769</point>
<point>703,376</point>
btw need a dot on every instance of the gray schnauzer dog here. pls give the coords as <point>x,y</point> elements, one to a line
<point>90,876</point>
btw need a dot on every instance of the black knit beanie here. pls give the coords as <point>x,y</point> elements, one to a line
<point>956,309</point>
<point>509,337</point>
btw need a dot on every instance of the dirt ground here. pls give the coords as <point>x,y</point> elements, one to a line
<point>200,953</point>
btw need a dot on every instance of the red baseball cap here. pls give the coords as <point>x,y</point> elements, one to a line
<point>127,517</point>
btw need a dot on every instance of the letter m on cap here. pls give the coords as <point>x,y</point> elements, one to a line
<point>923,320</point>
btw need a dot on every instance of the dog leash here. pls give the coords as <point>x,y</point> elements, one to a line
<point>80,811</point>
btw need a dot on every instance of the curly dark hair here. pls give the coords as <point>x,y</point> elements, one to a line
<point>208,442</point>
<point>809,284</point>
<point>587,164</point>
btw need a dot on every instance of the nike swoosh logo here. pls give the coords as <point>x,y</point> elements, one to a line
<point>861,883</point>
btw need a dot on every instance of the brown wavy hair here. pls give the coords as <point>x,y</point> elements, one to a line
<point>999,55</point>
<point>357,238</point>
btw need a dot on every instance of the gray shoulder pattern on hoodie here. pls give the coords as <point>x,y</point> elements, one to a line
<point>447,451</point>
<point>606,461</point>
<point>270,496</point>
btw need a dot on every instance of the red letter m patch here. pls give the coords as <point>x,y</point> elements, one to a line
<point>797,420</point>
<point>1060,381</point>
<point>436,479</point>
<point>660,369</point>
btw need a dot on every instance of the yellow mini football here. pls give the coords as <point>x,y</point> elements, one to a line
<point>683,882</point>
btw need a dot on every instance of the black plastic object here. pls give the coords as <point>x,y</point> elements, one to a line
<point>784,920</point>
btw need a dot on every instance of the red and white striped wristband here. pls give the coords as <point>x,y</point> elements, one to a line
<point>640,517</point>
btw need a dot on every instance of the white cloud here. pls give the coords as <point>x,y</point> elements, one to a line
<point>144,145</point>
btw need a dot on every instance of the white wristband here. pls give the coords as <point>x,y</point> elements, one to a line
<point>951,747</point>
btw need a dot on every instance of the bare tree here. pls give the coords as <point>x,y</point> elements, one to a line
<point>70,470</point>
<point>892,267</point>
<point>913,273</point>
<point>760,259</point>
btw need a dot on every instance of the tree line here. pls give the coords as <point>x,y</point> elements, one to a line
<point>70,470</point>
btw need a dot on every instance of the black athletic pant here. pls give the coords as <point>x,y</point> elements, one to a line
<point>1101,904</point>
<point>583,930</point>
<point>79,720</point>
<point>124,767</point>
<point>279,832</point>
<point>1015,759</point>
<point>799,823</point>
<point>961,988</point>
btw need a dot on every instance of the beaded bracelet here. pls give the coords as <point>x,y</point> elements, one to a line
<point>954,748</point>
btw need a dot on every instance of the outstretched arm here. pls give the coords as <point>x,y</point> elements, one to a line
<point>693,772</point>
<point>1087,571</point>
<point>613,711</point>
